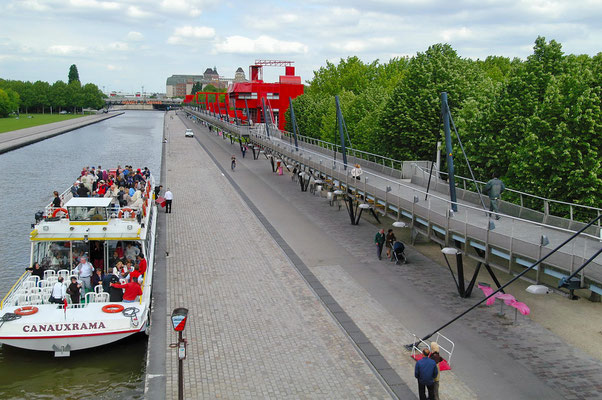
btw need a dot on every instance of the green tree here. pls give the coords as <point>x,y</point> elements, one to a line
<point>92,97</point>
<point>197,87</point>
<point>9,102</point>
<point>41,92</point>
<point>58,95</point>
<point>73,74</point>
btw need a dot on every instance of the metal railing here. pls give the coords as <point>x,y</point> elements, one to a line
<point>525,200</point>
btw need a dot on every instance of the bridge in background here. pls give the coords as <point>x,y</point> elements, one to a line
<point>139,103</point>
<point>399,189</point>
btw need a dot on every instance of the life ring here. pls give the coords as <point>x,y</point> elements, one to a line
<point>112,308</point>
<point>27,310</point>
<point>55,212</point>
<point>124,210</point>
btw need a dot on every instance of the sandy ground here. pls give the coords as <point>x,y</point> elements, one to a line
<point>578,322</point>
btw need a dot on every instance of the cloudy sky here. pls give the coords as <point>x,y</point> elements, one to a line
<point>123,45</point>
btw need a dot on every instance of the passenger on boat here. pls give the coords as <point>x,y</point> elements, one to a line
<point>102,188</point>
<point>131,251</point>
<point>120,180</point>
<point>158,191</point>
<point>115,294</point>
<point>36,270</point>
<point>141,263</point>
<point>59,291</point>
<point>106,282</point>
<point>118,269</point>
<point>135,275</point>
<point>74,290</point>
<point>56,201</point>
<point>85,271</point>
<point>74,189</point>
<point>132,290</point>
<point>97,277</point>
<point>82,190</point>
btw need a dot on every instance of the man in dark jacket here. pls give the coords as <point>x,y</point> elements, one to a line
<point>494,189</point>
<point>426,372</point>
<point>379,239</point>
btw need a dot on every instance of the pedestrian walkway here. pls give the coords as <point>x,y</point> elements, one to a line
<point>22,137</point>
<point>256,329</point>
<point>494,358</point>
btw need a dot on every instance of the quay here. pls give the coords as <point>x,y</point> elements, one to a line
<point>23,137</point>
<point>237,243</point>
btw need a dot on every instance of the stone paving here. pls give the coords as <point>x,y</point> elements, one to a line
<point>255,330</point>
<point>22,137</point>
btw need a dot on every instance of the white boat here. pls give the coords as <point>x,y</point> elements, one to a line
<point>98,227</point>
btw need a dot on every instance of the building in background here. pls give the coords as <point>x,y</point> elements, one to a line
<point>181,85</point>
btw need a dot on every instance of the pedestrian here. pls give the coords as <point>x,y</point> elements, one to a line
<point>389,240</point>
<point>168,199</point>
<point>379,240</point>
<point>243,149</point>
<point>494,189</point>
<point>437,358</point>
<point>426,372</point>
<point>158,191</point>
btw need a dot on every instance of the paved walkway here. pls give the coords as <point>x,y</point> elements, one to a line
<point>22,137</point>
<point>494,359</point>
<point>256,329</point>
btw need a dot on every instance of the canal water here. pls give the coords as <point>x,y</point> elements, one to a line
<point>28,177</point>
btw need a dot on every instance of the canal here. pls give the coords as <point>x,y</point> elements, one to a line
<point>29,176</point>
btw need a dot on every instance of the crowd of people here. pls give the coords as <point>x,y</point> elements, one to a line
<point>124,185</point>
<point>122,282</point>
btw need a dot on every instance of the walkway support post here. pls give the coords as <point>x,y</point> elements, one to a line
<point>342,134</point>
<point>265,117</point>
<point>248,116</point>
<point>293,122</point>
<point>448,151</point>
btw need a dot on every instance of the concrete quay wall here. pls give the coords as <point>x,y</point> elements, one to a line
<point>23,137</point>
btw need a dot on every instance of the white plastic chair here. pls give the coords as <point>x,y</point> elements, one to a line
<point>90,297</point>
<point>46,284</point>
<point>49,273</point>
<point>34,278</point>
<point>22,300</point>
<point>34,299</point>
<point>35,290</point>
<point>98,289</point>
<point>65,273</point>
<point>27,285</point>
<point>102,297</point>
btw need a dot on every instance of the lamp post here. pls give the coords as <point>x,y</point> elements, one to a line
<point>178,319</point>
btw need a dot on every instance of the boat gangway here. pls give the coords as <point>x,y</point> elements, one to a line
<point>399,189</point>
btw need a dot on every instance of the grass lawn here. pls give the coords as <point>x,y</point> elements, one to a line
<point>12,123</point>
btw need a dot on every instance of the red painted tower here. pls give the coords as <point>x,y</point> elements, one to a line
<point>274,95</point>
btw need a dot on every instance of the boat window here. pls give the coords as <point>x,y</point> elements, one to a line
<point>52,255</point>
<point>84,213</point>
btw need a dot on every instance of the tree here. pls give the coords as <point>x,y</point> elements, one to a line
<point>197,87</point>
<point>58,95</point>
<point>73,74</point>
<point>92,97</point>
<point>9,102</point>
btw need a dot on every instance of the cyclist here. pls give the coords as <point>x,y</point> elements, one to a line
<point>233,164</point>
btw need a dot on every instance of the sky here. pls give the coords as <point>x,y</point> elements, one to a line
<point>125,45</point>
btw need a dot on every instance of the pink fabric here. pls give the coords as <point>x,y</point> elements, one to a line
<point>508,298</point>
<point>487,291</point>
<point>521,307</point>
<point>443,365</point>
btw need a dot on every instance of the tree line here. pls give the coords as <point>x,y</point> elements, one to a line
<point>535,123</point>
<point>41,97</point>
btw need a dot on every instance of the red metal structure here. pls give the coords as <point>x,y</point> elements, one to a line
<point>243,95</point>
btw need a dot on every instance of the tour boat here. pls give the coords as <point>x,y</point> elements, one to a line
<point>98,228</point>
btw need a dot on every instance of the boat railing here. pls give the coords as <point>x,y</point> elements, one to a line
<point>10,292</point>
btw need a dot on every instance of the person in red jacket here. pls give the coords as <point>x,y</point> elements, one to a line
<point>132,290</point>
<point>141,263</point>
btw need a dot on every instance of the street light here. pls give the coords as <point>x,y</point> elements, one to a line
<point>399,224</point>
<point>450,251</point>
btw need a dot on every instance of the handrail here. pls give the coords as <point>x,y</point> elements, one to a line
<point>271,139</point>
<point>11,290</point>
<point>333,146</point>
<point>402,184</point>
<point>544,199</point>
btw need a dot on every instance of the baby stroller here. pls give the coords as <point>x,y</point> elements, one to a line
<point>397,254</point>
